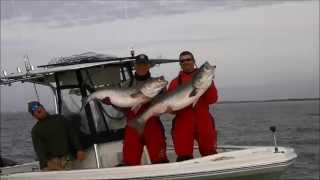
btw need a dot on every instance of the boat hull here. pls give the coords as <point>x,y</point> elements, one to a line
<point>241,163</point>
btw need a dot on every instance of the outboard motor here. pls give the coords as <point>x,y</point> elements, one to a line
<point>273,130</point>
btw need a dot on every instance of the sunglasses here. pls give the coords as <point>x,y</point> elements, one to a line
<point>185,60</point>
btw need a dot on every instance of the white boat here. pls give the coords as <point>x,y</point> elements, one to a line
<point>75,77</point>
<point>232,162</point>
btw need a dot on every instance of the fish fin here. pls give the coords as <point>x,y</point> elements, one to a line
<point>136,108</point>
<point>193,92</point>
<point>135,94</point>
<point>134,123</point>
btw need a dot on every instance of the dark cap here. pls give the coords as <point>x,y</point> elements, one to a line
<point>142,59</point>
<point>33,106</point>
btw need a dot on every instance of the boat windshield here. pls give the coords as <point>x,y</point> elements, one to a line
<point>105,117</point>
<point>96,118</point>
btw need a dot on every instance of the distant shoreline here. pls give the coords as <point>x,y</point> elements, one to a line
<point>269,100</point>
<point>224,102</point>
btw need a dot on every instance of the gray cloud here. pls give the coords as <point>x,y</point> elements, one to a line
<point>75,12</point>
<point>261,53</point>
<point>69,13</point>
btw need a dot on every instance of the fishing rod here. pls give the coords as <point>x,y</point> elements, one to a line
<point>84,60</point>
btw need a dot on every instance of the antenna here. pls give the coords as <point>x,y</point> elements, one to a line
<point>273,130</point>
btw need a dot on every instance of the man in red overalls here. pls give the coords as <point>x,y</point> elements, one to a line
<point>153,136</point>
<point>193,123</point>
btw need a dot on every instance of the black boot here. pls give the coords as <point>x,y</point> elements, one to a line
<point>183,158</point>
<point>164,161</point>
<point>161,161</point>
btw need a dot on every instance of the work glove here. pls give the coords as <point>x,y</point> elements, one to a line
<point>107,101</point>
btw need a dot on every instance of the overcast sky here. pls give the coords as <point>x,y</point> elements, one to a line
<point>263,50</point>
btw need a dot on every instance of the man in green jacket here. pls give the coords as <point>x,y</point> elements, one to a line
<point>52,139</point>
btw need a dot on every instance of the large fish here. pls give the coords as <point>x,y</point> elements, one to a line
<point>132,97</point>
<point>182,97</point>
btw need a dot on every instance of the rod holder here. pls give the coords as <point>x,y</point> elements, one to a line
<point>273,130</point>
<point>132,52</point>
<point>4,72</point>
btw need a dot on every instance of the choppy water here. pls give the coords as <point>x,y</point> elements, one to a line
<point>298,124</point>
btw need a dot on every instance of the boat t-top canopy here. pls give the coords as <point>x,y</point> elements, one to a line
<point>62,64</point>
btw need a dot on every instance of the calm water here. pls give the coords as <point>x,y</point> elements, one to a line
<point>298,125</point>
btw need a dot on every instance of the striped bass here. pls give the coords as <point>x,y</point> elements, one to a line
<point>182,97</point>
<point>132,97</point>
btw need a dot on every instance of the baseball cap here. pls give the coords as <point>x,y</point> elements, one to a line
<point>33,106</point>
<point>142,59</point>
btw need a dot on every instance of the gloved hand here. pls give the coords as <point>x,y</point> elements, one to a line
<point>170,111</point>
<point>107,101</point>
<point>81,155</point>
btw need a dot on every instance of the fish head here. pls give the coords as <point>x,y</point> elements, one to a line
<point>208,70</point>
<point>204,76</point>
<point>153,86</point>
